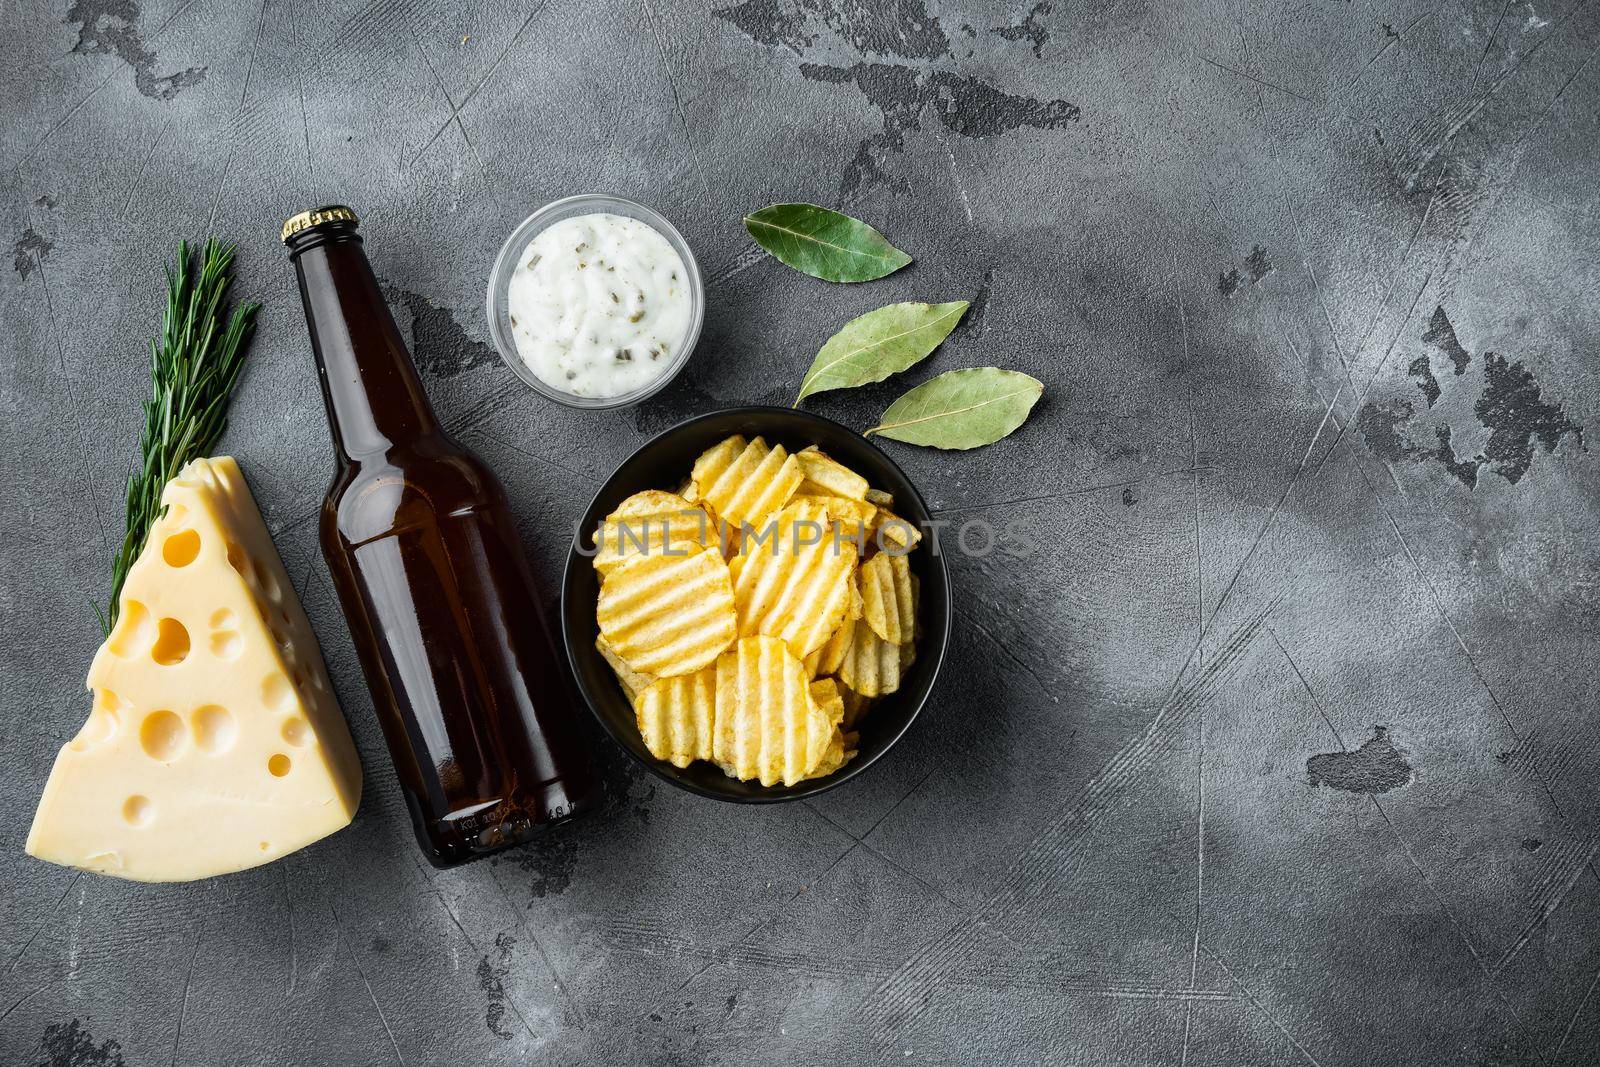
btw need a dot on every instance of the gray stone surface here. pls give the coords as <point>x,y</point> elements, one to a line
<point>1276,749</point>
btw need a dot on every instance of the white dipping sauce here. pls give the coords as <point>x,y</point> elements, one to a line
<point>599,305</point>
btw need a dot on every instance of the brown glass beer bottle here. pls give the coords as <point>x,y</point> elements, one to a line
<point>478,712</point>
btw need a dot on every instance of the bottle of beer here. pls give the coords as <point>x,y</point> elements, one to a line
<point>477,710</point>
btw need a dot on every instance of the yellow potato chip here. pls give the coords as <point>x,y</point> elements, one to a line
<point>890,532</point>
<point>767,726</point>
<point>651,523</point>
<point>668,615</point>
<point>829,658</point>
<point>677,717</point>
<point>633,683</point>
<point>791,579</point>
<point>904,595</point>
<point>841,750</point>
<point>852,517</point>
<point>872,665</point>
<point>825,695</point>
<point>879,499</point>
<point>829,475</point>
<point>746,482</point>
<point>880,607</point>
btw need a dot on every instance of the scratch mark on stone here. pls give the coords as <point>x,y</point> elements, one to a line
<point>1322,302</point>
<point>288,903</point>
<point>1004,648</point>
<point>1566,1034</point>
<point>188,981</point>
<point>1056,850</point>
<point>43,922</point>
<point>737,265</point>
<point>1392,38</point>
<point>1560,889</point>
<point>490,978</point>
<point>233,137</point>
<point>360,971</point>
<point>1489,45</point>
<point>482,81</point>
<point>1456,126</point>
<point>138,177</point>
<point>21,1001</point>
<point>677,99</point>
<point>1260,1007</point>
<point>455,112</point>
<point>538,946</point>
<point>1258,81</point>
<point>75,395</point>
<point>71,111</point>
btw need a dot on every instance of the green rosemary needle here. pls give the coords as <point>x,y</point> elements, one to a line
<point>193,367</point>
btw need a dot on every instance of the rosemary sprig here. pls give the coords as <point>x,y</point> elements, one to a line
<point>193,367</point>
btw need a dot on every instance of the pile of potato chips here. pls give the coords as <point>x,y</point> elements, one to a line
<point>753,616</point>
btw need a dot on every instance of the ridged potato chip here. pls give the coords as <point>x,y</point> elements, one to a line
<point>887,598</point>
<point>651,523</point>
<point>668,615</point>
<point>791,579</point>
<point>825,695</point>
<point>677,717</point>
<point>744,482</point>
<point>879,605</point>
<point>841,750</point>
<point>633,683</point>
<point>852,517</point>
<point>829,476</point>
<point>886,529</point>
<point>767,726</point>
<point>872,665</point>
<point>826,660</point>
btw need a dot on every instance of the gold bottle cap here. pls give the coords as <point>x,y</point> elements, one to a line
<point>316,217</point>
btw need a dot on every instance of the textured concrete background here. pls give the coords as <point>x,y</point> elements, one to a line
<point>1277,749</point>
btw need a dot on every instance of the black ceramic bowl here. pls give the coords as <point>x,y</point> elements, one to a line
<point>664,463</point>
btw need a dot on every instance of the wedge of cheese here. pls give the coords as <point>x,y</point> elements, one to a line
<point>214,742</point>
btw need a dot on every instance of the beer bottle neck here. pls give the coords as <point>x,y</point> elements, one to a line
<point>369,384</point>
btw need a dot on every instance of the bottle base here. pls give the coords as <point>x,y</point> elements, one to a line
<point>452,842</point>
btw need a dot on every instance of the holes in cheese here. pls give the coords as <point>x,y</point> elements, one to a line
<point>277,693</point>
<point>215,729</point>
<point>225,640</point>
<point>135,631</point>
<point>172,643</point>
<point>184,766</point>
<point>294,731</point>
<point>105,720</point>
<point>161,735</point>
<point>180,549</point>
<point>138,811</point>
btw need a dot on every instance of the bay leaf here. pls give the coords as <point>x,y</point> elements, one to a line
<point>883,342</point>
<point>824,243</point>
<point>962,408</point>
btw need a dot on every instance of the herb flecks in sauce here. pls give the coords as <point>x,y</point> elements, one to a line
<point>573,326</point>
